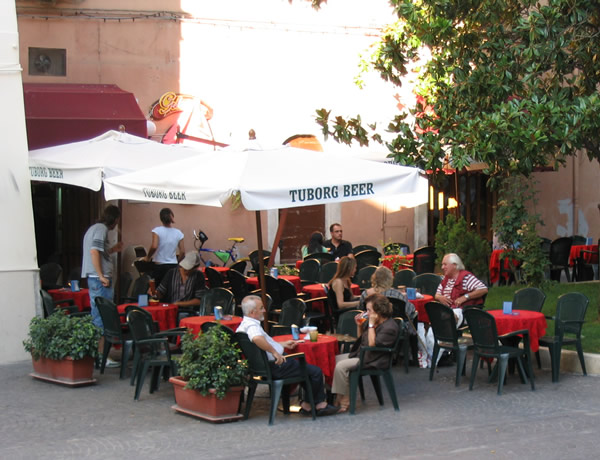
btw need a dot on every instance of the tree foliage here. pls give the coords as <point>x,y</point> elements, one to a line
<point>511,83</point>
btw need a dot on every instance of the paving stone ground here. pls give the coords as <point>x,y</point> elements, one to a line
<point>436,420</point>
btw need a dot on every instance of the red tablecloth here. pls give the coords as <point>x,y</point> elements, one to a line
<point>495,266</point>
<point>81,298</point>
<point>320,353</point>
<point>587,257</point>
<point>195,322</point>
<point>388,261</point>
<point>531,320</point>
<point>298,263</point>
<point>317,290</point>
<point>165,314</point>
<point>420,307</point>
<point>295,280</point>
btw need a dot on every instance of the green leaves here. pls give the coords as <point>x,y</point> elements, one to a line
<point>60,335</point>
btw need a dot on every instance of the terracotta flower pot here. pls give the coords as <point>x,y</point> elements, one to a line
<point>68,371</point>
<point>208,407</point>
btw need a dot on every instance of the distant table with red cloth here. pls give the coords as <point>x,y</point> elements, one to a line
<point>165,314</point>
<point>81,298</point>
<point>195,322</point>
<point>420,307</point>
<point>533,321</point>
<point>495,266</point>
<point>295,280</point>
<point>317,290</point>
<point>588,257</point>
<point>388,261</point>
<point>298,263</point>
<point>320,353</point>
<point>222,271</point>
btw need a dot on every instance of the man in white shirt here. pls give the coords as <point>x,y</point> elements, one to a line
<point>254,313</point>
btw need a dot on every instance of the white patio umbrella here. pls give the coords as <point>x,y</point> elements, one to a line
<point>87,163</point>
<point>282,178</point>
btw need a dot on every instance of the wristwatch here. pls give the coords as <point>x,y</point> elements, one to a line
<point>371,325</point>
<point>467,296</point>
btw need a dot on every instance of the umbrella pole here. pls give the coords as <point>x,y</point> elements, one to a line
<point>261,269</point>
<point>280,227</point>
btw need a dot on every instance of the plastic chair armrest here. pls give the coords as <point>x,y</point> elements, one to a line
<point>64,302</point>
<point>299,355</point>
<point>514,333</point>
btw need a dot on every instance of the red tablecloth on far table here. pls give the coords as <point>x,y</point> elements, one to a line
<point>195,322</point>
<point>495,266</point>
<point>420,307</point>
<point>531,320</point>
<point>295,280</point>
<point>81,298</point>
<point>589,258</point>
<point>388,261</point>
<point>165,314</point>
<point>320,353</point>
<point>317,290</point>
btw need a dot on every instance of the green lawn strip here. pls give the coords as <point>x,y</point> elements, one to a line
<point>591,289</point>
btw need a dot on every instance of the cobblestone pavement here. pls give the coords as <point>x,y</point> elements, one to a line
<point>436,420</point>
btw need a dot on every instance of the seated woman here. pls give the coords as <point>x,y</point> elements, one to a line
<point>339,293</point>
<point>381,283</point>
<point>379,331</point>
<point>315,245</point>
<point>459,288</point>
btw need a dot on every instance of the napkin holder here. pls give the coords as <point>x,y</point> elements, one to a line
<point>143,300</point>
<point>507,308</point>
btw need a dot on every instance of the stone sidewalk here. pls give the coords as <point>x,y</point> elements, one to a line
<point>436,419</point>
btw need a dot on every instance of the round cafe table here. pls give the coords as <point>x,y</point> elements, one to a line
<point>534,321</point>
<point>295,280</point>
<point>320,353</point>
<point>81,298</point>
<point>165,314</point>
<point>195,322</point>
<point>420,307</point>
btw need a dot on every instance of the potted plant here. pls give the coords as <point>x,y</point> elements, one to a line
<point>211,376</point>
<point>63,348</point>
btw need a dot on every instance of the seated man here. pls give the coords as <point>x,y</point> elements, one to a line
<point>459,288</point>
<point>336,245</point>
<point>254,313</point>
<point>183,285</point>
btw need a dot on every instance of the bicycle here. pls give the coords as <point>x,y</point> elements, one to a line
<point>224,255</point>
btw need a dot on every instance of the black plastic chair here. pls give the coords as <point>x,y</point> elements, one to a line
<point>140,286</point>
<point>446,336</point>
<point>239,266</point>
<point>578,240</point>
<point>253,256</point>
<point>125,281</point>
<point>428,283</point>
<point>486,344</point>
<point>363,277</point>
<point>322,257</point>
<point>214,297</point>
<point>424,260</point>
<point>210,324</point>
<point>115,333</point>
<point>366,258</point>
<point>569,319</point>
<point>529,298</point>
<point>395,248</point>
<point>363,247</point>
<point>215,280</point>
<point>67,305</point>
<point>560,250</point>
<point>292,312</point>
<point>327,272</point>
<point>309,271</point>
<point>408,331</point>
<point>74,274</point>
<point>259,371</point>
<point>287,290</point>
<point>375,374</point>
<point>51,276</point>
<point>332,311</point>
<point>238,285</point>
<point>405,277</point>
<point>347,326</point>
<point>151,351</point>
<point>279,329</point>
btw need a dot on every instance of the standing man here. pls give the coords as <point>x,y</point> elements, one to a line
<point>336,245</point>
<point>97,264</point>
<point>254,313</point>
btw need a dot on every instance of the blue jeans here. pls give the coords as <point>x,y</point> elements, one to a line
<point>98,290</point>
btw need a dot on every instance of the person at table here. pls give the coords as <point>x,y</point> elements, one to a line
<point>184,285</point>
<point>379,331</point>
<point>339,291</point>
<point>254,315</point>
<point>336,245</point>
<point>315,245</point>
<point>381,283</point>
<point>459,288</point>
<point>97,265</point>
<point>166,240</point>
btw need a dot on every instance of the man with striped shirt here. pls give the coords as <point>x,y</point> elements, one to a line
<point>183,285</point>
<point>459,288</point>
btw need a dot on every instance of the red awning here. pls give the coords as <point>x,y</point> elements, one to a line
<point>62,113</point>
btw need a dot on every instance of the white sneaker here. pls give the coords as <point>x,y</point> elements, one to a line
<point>111,363</point>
